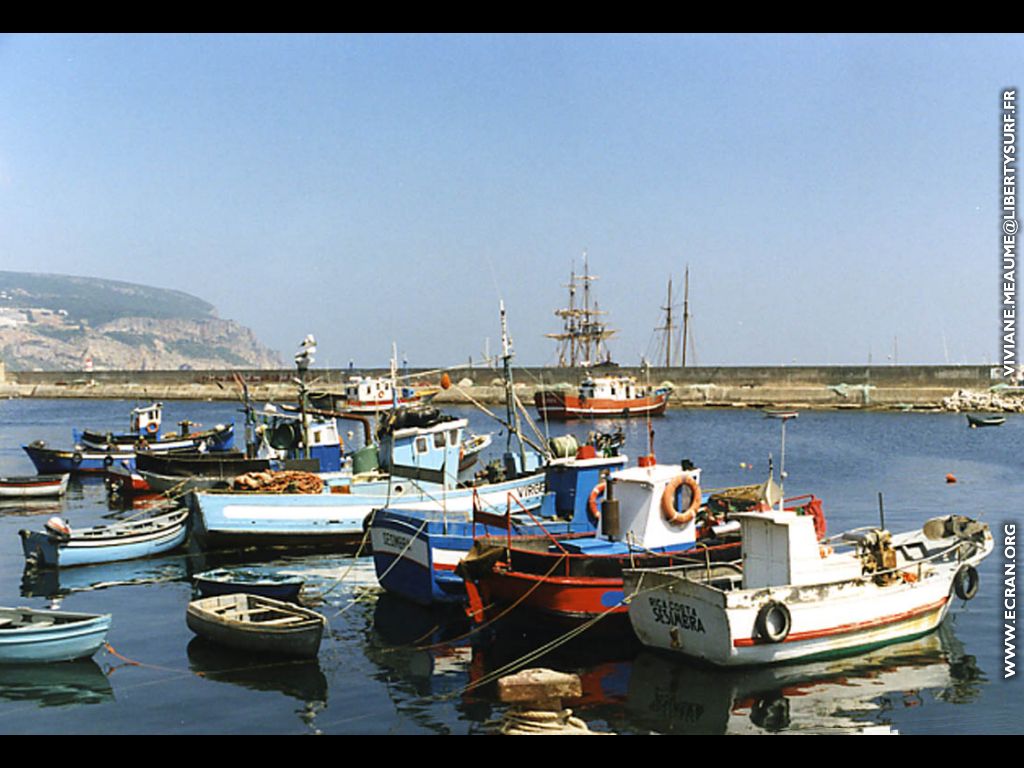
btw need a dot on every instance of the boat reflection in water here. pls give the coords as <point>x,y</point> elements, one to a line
<point>856,694</point>
<point>426,647</point>
<point>300,679</point>
<point>63,684</point>
<point>51,583</point>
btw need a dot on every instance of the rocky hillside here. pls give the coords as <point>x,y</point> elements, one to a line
<point>58,322</point>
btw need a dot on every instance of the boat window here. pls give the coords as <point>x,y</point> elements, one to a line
<point>421,445</point>
<point>439,439</point>
<point>316,436</point>
<point>453,437</point>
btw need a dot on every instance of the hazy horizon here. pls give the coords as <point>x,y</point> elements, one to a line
<point>836,197</point>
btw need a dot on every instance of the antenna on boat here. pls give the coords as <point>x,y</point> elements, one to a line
<point>783,416</point>
<point>512,413</point>
<point>303,359</point>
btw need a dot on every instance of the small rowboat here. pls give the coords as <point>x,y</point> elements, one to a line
<point>29,636</point>
<point>228,581</point>
<point>258,624</point>
<point>985,421</point>
<point>34,486</point>
<point>57,546</point>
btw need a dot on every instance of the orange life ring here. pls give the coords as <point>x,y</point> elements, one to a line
<point>152,428</point>
<point>380,394</point>
<point>668,500</point>
<point>595,513</point>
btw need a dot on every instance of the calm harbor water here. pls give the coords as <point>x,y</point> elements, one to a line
<point>387,667</point>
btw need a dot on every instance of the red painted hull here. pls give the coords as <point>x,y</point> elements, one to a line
<point>556,405</point>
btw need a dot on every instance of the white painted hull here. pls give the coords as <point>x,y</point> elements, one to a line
<point>718,625</point>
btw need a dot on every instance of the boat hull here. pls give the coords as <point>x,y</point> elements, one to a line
<point>336,520</point>
<point>677,615</point>
<point>225,581</point>
<point>106,544</point>
<point>296,632</point>
<point>70,637</point>
<point>562,406</point>
<point>415,553</point>
<point>39,486</point>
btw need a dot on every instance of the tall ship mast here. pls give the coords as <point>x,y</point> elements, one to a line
<point>670,327</point>
<point>581,342</point>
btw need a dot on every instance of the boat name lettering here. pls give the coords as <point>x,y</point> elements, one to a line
<point>531,490</point>
<point>394,540</point>
<point>676,614</point>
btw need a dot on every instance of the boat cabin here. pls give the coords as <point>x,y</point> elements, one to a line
<point>375,391</point>
<point>611,388</point>
<point>145,420</point>
<point>428,452</point>
<point>280,436</point>
<point>782,548</point>
<point>642,521</point>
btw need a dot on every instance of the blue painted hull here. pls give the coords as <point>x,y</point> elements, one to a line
<point>84,460</point>
<point>228,582</point>
<point>105,544</point>
<point>78,637</point>
<point>334,519</point>
<point>415,552</point>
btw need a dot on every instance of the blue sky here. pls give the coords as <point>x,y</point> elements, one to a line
<point>835,197</point>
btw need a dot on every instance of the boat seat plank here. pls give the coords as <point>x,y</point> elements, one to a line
<point>283,620</point>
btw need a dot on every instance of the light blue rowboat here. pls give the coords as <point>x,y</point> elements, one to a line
<point>28,636</point>
<point>58,546</point>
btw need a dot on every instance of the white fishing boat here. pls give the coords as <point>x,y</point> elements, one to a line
<point>793,597</point>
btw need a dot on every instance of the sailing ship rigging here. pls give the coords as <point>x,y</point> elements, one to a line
<point>582,341</point>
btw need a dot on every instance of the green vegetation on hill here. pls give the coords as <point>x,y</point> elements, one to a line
<point>98,301</point>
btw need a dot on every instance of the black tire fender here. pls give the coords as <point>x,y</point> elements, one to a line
<point>965,583</point>
<point>773,622</point>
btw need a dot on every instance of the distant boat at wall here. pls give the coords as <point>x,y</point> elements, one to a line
<point>375,394</point>
<point>985,421</point>
<point>30,636</point>
<point>603,397</point>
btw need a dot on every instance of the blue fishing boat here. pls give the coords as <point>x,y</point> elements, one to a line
<point>82,459</point>
<point>419,458</point>
<point>58,546</point>
<point>30,636</point>
<point>252,581</point>
<point>415,551</point>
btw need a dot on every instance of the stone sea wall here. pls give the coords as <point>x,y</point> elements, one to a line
<point>883,387</point>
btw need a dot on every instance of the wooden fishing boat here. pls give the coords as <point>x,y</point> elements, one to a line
<point>29,636</point>
<point>796,598</point>
<point>58,546</point>
<point>603,397</point>
<point>657,517</point>
<point>229,581</point>
<point>34,486</point>
<point>985,421</point>
<point>258,624</point>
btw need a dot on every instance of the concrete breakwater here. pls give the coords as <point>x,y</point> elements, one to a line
<point>855,387</point>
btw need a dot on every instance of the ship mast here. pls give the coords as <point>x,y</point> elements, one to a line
<point>581,342</point>
<point>686,310</point>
